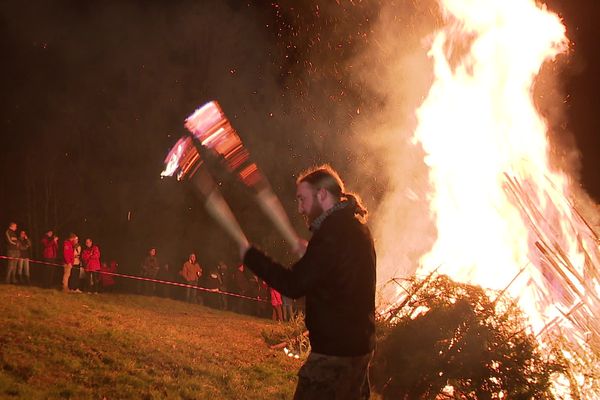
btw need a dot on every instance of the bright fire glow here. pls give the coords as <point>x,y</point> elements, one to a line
<point>478,123</point>
<point>501,211</point>
<point>172,159</point>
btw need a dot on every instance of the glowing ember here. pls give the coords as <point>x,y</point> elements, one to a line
<point>501,212</point>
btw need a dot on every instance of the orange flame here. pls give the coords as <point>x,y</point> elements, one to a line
<point>478,123</point>
<point>501,211</point>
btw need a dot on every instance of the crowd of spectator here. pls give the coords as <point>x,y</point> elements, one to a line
<point>76,269</point>
<point>216,286</point>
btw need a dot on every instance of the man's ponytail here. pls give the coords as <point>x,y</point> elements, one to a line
<point>359,208</point>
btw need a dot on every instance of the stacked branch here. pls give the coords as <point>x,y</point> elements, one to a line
<point>569,272</point>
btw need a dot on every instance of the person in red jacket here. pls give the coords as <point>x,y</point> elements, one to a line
<point>276,303</point>
<point>68,256</point>
<point>91,262</point>
<point>107,281</point>
<point>49,254</point>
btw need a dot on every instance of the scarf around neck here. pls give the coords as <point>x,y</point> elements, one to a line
<point>316,224</point>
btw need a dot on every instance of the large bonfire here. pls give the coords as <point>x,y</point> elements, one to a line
<point>504,217</point>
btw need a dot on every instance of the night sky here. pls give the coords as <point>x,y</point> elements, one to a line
<point>95,93</point>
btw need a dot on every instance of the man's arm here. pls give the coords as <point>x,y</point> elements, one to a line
<point>10,239</point>
<point>304,274</point>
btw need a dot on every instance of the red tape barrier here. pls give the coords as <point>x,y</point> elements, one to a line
<point>141,278</point>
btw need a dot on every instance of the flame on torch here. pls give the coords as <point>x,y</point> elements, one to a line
<point>211,127</point>
<point>185,158</point>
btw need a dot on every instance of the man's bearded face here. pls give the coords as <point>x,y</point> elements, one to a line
<point>308,203</point>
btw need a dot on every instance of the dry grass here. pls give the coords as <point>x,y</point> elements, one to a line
<point>55,345</point>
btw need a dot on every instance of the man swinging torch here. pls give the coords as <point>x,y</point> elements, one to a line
<point>336,271</point>
<point>337,276</point>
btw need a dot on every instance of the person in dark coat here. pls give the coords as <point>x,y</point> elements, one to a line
<point>337,276</point>
<point>149,269</point>
<point>226,285</point>
<point>212,282</point>
<point>260,291</point>
<point>25,254</point>
<point>242,287</point>
<point>12,251</point>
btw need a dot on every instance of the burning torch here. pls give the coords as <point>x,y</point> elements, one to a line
<point>185,160</point>
<point>211,127</point>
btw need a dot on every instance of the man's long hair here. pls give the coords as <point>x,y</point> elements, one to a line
<point>325,177</point>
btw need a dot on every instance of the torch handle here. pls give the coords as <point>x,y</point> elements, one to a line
<point>271,206</point>
<point>218,208</point>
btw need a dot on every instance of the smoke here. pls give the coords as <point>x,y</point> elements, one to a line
<point>354,74</point>
<point>551,99</point>
<point>397,69</point>
<point>101,91</point>
<point>385,165</point>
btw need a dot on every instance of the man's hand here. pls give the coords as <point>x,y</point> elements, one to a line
<point>300,247</point>
<point>243,249</point>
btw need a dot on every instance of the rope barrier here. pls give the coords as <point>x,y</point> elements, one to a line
<point>141,278</point>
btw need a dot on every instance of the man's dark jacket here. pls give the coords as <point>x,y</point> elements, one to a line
<point>337,276</point>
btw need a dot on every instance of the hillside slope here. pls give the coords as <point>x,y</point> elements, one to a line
<point>113,346</point>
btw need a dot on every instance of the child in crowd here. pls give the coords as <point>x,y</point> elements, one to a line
<point>276,303</point>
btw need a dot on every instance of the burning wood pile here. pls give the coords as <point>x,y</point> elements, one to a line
<point>568,289</point>
<point>503,214</point>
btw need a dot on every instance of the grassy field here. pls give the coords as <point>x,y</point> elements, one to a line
<point>113,346</point>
